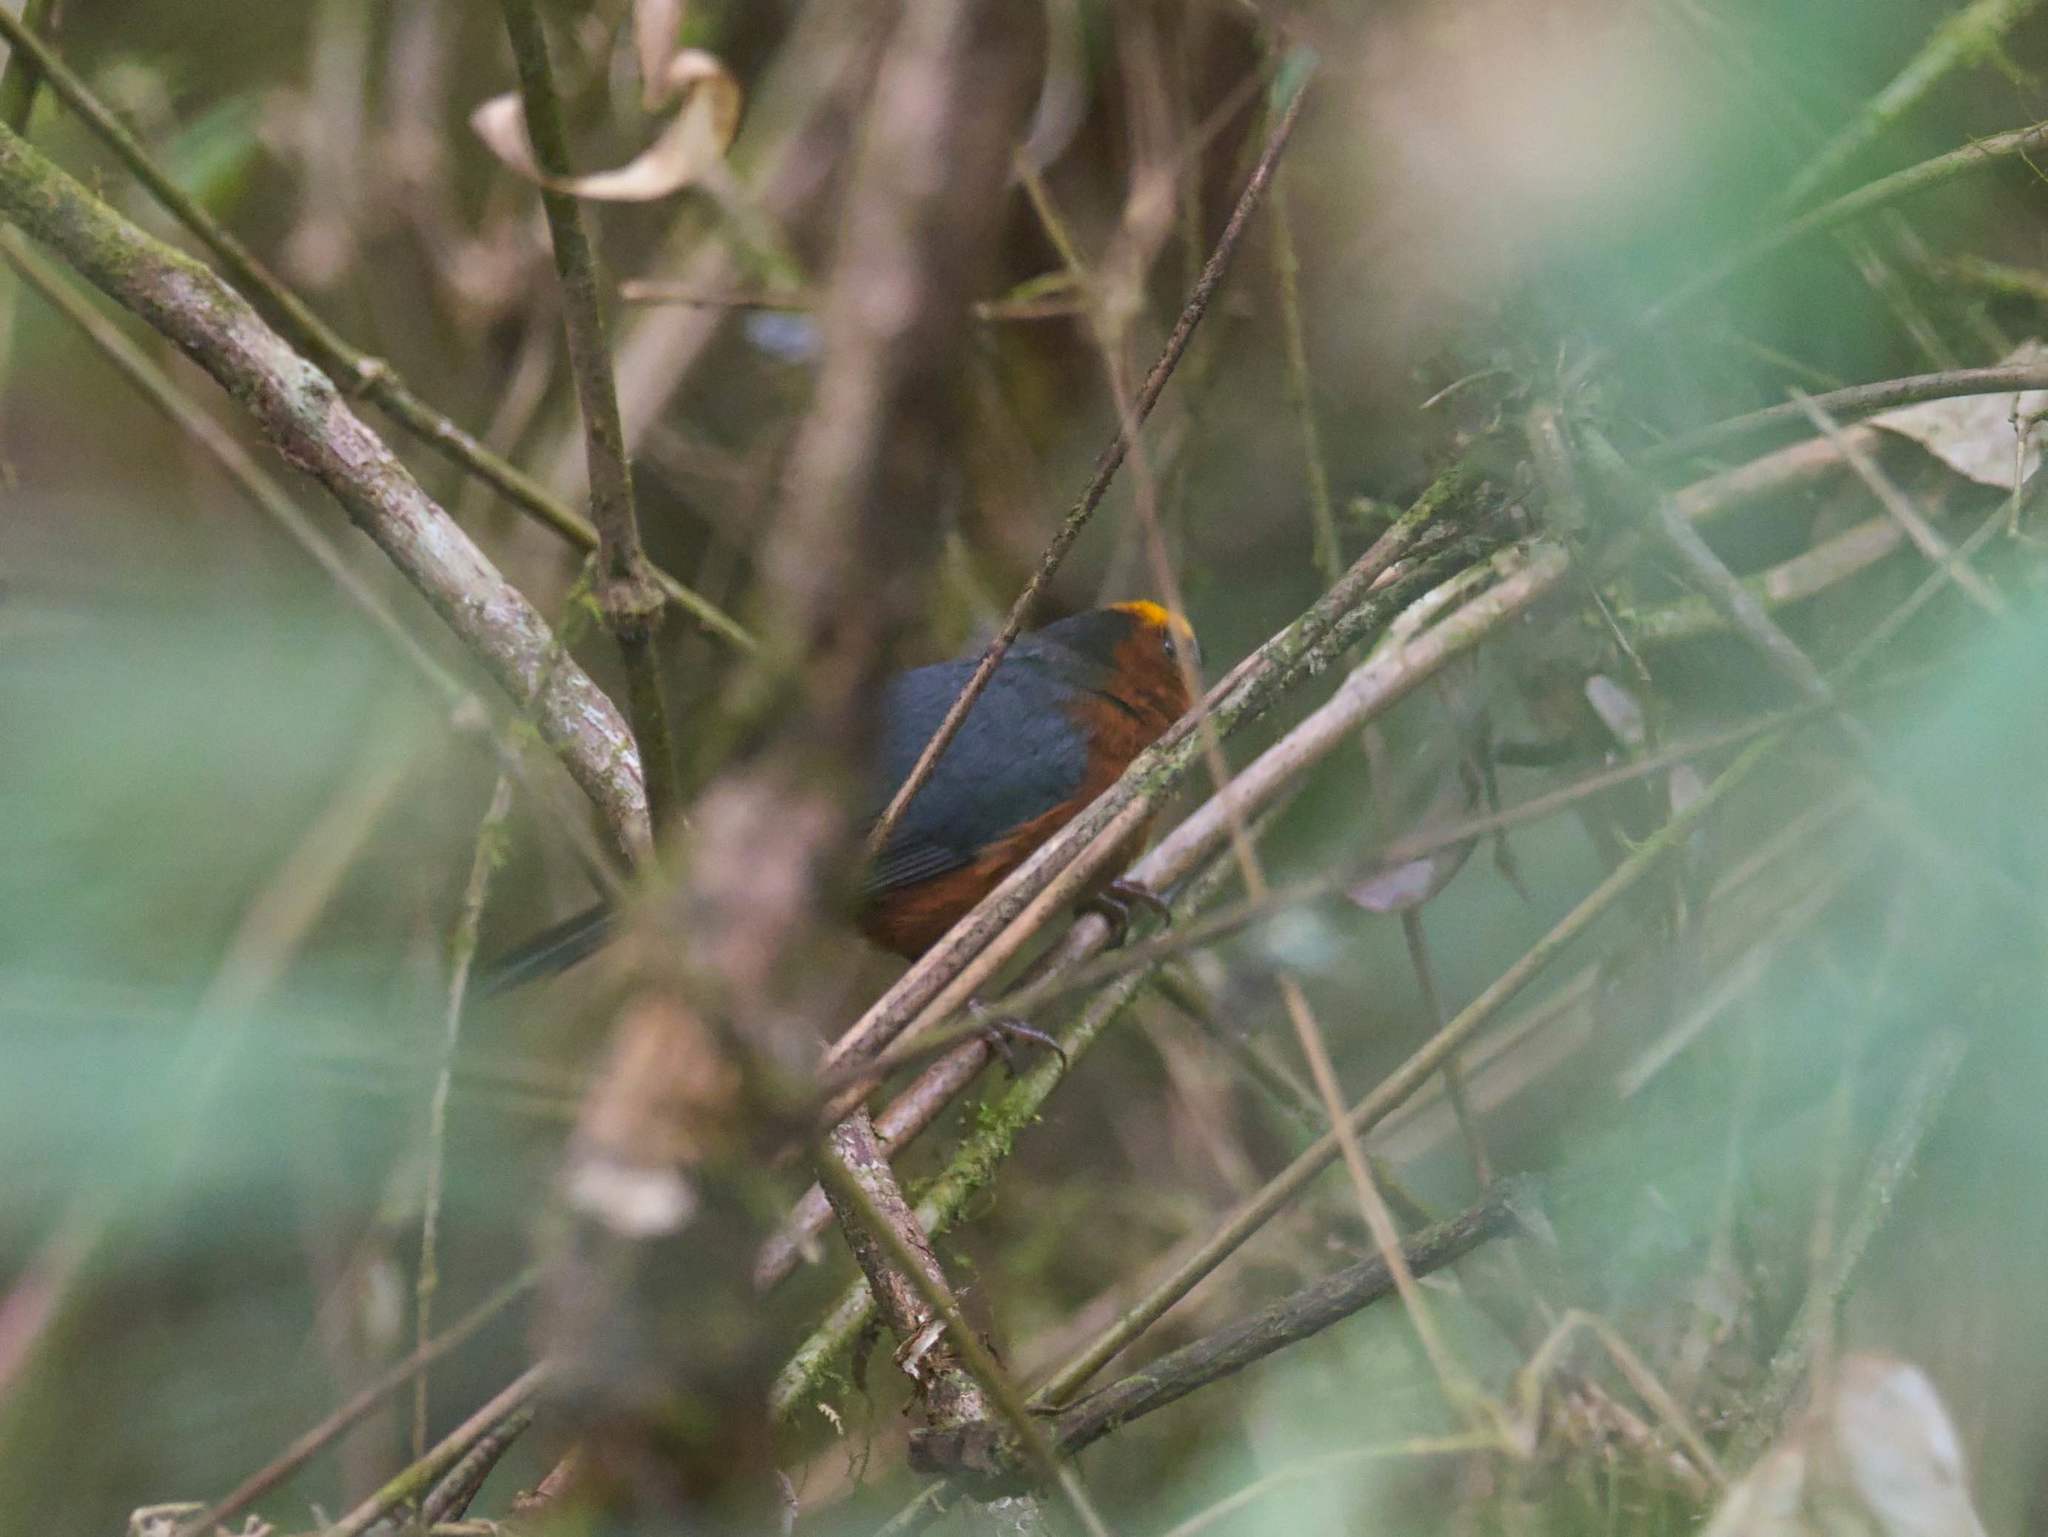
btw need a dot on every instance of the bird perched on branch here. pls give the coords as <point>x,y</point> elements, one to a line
<point>1062,717</point>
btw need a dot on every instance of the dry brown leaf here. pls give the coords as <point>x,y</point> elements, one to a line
<point>1973,434</point>
<point>684,153</point>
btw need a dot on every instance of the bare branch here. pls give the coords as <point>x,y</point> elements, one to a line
<point>1402,1082</point>
<point>305,418</point>
<point>324,1434</point>
<point>980,1156</point>
<point>356,372</point>
<point>1856,400</point>
<point>414,1481</point>
<point>1296,1317</point>
<point>626,591</point>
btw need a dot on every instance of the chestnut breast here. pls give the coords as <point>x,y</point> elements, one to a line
<point>1063,716</point>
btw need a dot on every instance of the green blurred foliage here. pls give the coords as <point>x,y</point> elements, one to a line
<point>227,1102</point>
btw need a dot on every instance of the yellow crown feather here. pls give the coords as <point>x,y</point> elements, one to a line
<point>1157,617</point>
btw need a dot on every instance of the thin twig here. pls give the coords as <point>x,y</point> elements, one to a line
<point>1852,205</point>
<point>354,371</point>
<point>324,1434</point>
<point>417,1478</point>
<point>1300,388</point>
<point>1856,400</point>
<point>626,592</point>
<point>1454,1066</point>
<point>462,951</point>
<point>453,1491</point>
<point>2001,280</point>
<point>1961,40</point>
<point>1402,1082</point>
<point>1299,1316</point>
<point>1293,1098</point>
<point>1106,466</point>
<point>1273,1078</point>
<point>20,82</point>
<point>1916,600</point>
<point>1543,1363</point>
<point>1891,1163</point>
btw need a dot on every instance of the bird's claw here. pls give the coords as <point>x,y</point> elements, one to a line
<point>1117,901</point>
<point>999,1030</point>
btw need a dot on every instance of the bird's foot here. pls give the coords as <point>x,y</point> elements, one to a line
<point>1000,1030</point>
<point>1117,902</point>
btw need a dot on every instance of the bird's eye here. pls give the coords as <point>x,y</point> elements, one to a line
<point>1166,640</point>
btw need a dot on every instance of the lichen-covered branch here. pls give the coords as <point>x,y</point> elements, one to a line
<point>354,371</point>
<point>306,419</point>
<point>975,1163</point>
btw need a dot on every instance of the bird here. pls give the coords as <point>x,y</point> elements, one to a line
<point>1064,714</point>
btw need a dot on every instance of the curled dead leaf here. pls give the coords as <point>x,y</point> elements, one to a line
<point>1990,438</point>
<point>689,149</point>
<point>656,25</point>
